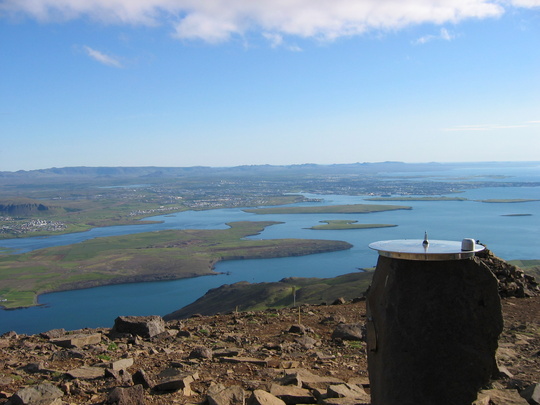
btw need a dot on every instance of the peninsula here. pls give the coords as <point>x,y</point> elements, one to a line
<point>150,256</point>
<point>342,224</point>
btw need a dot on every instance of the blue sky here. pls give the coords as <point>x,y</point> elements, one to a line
<point>226,83</point>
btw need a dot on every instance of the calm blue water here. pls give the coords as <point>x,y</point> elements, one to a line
<point>510,237</point>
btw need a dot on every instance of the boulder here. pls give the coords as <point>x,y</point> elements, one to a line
<point>499,397</point>
<point>292,395</point>
<point>41,394</point>
<point>532,394</point>
<point>348,391</point>
<point>174,380</point>
<point>144,326</point>
<point>351,331</point>
<point>218,394</point>
<point>87,373</point>
<point>126,396</point>
<point>260,397</point>
<point>77,340</point>
<point>201,352</point>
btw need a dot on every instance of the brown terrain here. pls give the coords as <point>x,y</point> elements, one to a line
<point>302,355</point>
<point>295,354</point>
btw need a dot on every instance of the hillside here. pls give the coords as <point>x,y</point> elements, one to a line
<point>245,296</point>
<point>25,207</point>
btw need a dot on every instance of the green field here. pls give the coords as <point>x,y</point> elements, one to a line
<point>328,209</point>
<point>339,224</point>
<point>150,256</point>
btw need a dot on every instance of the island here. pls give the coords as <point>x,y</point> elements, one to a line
<point>341,224</point>
<point>149,256</point>
<point>328,209</point>
<point>508,200</point>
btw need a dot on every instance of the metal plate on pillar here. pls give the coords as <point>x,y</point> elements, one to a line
<point>418,249</point>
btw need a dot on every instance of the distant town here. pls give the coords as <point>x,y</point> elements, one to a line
<point>64,200</point>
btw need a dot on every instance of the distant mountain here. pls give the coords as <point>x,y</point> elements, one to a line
<point>149,172</point>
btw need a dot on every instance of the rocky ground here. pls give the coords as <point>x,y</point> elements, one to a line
<point>300,355</point>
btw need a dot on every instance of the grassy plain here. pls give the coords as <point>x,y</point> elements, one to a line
<point>150,256</point>
<point>339,224</point>
<point>328,209</point>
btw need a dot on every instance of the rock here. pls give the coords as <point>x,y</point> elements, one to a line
<point>500,397</point>
<point>201,352</point>
<point>352,331</point>
<point>140,377</point>
<point>121,376</point>
<point>344,401</point>
<point>78,340</point>
<point>144,326</point>
<point>250,360</point>
<point>260,397</point>
<point>122,364</point>
<point>126,396</point>
<point>532,394</point>
<point>67,354</point>
<point>54,333</point>
<point>349,391</point>
<point>305,379</point>
<point>300,329</point>
<point>512,281</point>
<point>336,318</point>
<point>87,373</point>
<point>218,394</point>
<point>33,367</point>
<point>502,372</point>
<point>292,395</point>
<point>174,380</point>
<point>431,315</point>
<point>41,394</point>
<point>306,342</point>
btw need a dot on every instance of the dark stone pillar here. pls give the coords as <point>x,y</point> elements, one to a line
<point>433,328</point>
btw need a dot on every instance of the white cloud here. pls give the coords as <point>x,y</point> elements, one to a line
<point>444,34</point>
<point>218,20</point>
<point>102,58</point>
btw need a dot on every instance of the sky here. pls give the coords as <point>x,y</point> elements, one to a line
<point>245,82</point>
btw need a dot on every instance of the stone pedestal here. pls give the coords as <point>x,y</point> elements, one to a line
<point>433,328</point>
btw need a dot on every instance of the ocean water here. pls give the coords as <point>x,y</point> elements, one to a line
<point>510,237</point>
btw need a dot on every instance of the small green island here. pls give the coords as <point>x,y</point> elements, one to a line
<point>516,215</point>
<point>149,256</point>
<point>339,224</point>
<point>328,209</point>
<point>507,200</point>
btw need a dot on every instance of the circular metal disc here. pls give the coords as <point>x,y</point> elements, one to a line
<point>414,249</point>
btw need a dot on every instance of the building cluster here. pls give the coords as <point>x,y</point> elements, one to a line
<point>13,227</point>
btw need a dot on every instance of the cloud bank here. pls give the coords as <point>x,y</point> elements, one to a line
<point>217,21</point>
